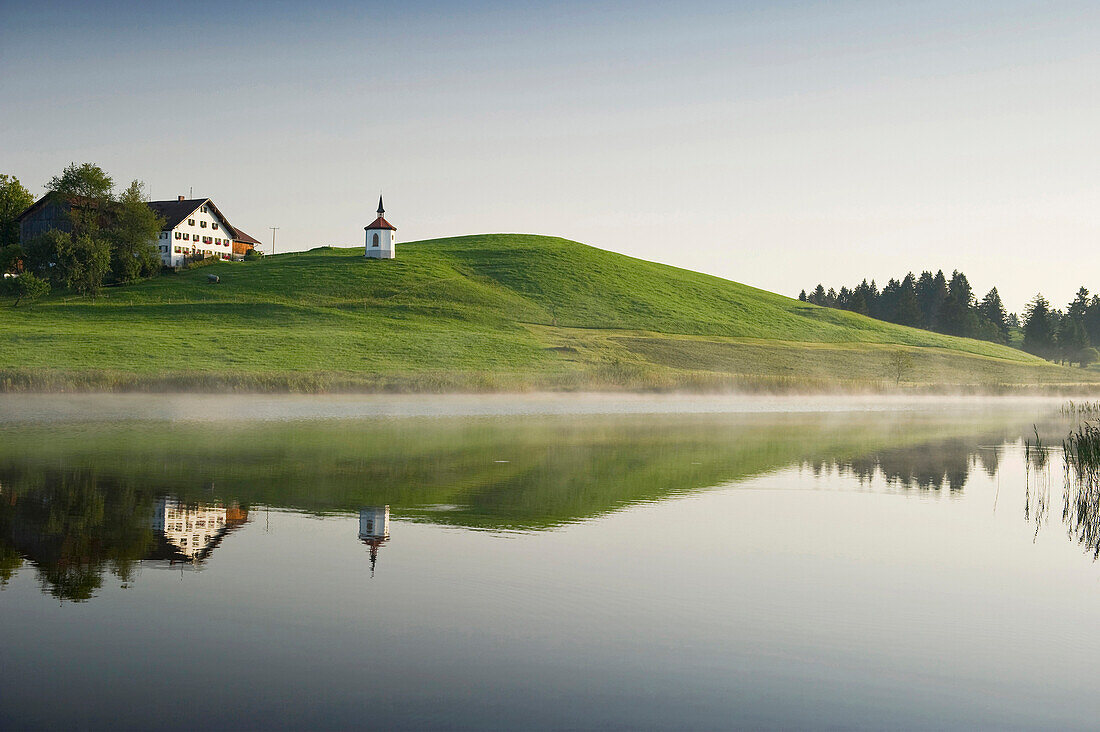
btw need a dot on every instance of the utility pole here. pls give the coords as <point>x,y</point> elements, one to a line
<point>273,230</point>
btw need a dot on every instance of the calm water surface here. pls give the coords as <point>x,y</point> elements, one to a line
<point>183,562</point>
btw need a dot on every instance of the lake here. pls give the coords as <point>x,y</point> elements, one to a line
<point>542,562</point>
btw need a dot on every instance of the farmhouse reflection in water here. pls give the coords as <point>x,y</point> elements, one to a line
<point>190,533</point>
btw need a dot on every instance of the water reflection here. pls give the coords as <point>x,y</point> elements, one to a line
<point>929,466</point>
<point>1080,470</point>
<point>189,533</point>
<point>75,527</point>
<point>374,530</point>
<point>80,505</point>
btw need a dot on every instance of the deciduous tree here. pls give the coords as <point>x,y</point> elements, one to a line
<point>901,363</point>
<point>84,261</point>
<point>132,233</point>
<point>14,200</point>
<point>85,180</point>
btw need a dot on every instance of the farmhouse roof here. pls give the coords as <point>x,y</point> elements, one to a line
<point>239,235</point>
<point>173,212</point>
<point>71,199</point>
<point>380,223</point>
<point>176,211</point>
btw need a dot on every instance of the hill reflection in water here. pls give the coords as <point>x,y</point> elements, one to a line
<point>78,502</point>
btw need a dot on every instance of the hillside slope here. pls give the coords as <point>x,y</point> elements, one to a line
<point>488,311</point>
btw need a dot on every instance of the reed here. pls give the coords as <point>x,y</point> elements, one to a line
<point>1085,408</point>
<point>1081,508</point>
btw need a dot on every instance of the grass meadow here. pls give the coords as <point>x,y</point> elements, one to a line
<point>487,312</point>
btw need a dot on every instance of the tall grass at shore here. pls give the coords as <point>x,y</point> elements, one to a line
<point>1081,509</point>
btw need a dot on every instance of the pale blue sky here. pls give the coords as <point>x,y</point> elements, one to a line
<point>778,144</point>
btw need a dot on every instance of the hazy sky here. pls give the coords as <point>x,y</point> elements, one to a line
<point>775,143</point>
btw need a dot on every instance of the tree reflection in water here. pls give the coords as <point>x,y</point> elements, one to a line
<point>75,527</point>
<point>930,466</point>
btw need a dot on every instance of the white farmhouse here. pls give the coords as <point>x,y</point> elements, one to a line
<point>195,228</point>
<point>380,237</point>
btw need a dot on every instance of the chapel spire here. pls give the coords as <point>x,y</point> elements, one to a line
<point>380,209</point>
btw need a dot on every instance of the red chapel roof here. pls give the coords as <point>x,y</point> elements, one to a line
<point>381,223</point>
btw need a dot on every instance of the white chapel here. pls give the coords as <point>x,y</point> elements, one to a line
<point>380,237</point>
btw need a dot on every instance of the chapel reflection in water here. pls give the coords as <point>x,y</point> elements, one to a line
<point>374,530</point>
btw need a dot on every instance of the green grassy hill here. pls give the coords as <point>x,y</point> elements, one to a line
<point>491,311</point>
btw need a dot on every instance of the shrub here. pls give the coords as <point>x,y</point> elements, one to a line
<point>28,287</point>
<point>199,263</point>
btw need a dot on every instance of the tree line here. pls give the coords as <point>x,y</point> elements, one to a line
<point>111,237</point>
<point>931,302</point>
<point>934,302</point>
<point>1064,336</point>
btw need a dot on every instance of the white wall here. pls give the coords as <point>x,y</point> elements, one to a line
<point>386,242</point>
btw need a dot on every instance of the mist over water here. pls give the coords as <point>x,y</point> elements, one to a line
<point>543,562</point>
<point>222,407</point>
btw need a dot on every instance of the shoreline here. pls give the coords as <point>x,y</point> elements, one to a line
<point>37,381</point>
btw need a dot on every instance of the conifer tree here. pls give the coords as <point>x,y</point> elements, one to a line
<point>993,310</point>
<point>1039,328</point>
<point>907,311</point>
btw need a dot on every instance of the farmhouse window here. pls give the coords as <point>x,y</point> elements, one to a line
<point>177,235</point>
<point>190,222</point>
<point>204,209</point>
<point>202,224</point>
<point>214,227</point>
